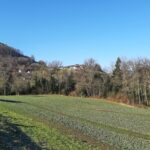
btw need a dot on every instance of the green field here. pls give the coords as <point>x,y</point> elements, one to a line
<point>67,123</point>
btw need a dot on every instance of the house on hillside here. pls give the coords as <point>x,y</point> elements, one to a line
<point>73,67</point>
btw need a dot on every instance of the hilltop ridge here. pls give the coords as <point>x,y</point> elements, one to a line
<point>6,50</point>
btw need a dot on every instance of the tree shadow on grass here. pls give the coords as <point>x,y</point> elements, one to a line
<point>10,101</point>
<point>12,138</point>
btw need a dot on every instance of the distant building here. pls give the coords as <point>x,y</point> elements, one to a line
<point>19,71</point>
<point>73,67</point>
<point>28,72</point>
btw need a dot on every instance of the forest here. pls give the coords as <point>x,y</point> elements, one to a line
<point>128,81</point>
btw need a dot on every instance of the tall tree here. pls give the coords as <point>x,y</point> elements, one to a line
<point>117,77</point>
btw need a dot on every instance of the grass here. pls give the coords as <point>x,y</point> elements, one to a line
<point>59,122</point>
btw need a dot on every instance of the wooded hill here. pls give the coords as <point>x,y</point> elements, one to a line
<point>7,51</point>
<point>128,81</point>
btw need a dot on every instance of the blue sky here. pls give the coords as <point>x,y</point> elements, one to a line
<point>73,30</point>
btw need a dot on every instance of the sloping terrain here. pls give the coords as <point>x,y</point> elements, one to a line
<point>59,122</point>
<point>6,51</point>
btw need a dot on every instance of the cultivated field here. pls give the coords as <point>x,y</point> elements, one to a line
<point>66,123</point>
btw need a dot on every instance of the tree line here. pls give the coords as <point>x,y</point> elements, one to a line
<point>128,81</point>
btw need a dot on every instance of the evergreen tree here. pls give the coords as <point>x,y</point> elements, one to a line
<point>117,77</point>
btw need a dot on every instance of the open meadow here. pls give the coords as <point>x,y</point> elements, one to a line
<point>70,123</point>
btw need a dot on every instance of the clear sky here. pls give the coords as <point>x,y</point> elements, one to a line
<point>73,30</point>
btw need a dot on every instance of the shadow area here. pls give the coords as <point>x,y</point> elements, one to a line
<point>10,101</point>
<point>12,138</point>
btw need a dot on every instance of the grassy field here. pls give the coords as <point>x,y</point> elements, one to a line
<point>67,123</point>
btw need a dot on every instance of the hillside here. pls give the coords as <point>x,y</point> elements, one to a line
<point>13,56</point>
<point>127,81</point>
<point>17,71</point>
<point>6,51</point>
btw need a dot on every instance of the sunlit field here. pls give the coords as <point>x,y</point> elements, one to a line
<point>69,123</point>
